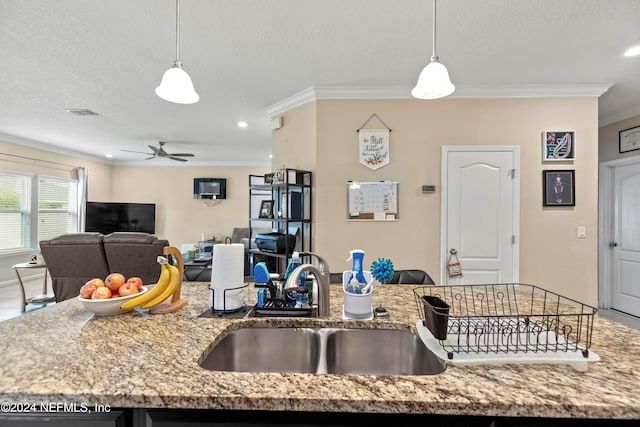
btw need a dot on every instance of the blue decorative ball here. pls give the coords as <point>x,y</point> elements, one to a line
<point>382,270</point>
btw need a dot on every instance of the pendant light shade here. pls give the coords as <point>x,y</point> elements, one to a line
<point>434,81</point>
<point>176,85</point>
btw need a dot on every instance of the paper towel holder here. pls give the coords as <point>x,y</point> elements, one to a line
<point>225,310</point>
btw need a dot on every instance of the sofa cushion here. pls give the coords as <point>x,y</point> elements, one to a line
<point>134,254</point>
<point>239,234</point>
<point>130,237</point>
<point>77,239</point>
<point>72,259</point>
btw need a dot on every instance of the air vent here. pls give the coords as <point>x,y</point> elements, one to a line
<point>82,112</point>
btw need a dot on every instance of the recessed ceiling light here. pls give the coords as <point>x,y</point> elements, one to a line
<point>634,51</point>
<point>242,124</point>
<point>109,155</point>
<point>271,156</point>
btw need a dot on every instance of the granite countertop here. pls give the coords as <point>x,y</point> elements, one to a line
<point>64,353</point>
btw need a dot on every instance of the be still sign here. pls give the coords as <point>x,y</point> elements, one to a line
<point>374,148</point>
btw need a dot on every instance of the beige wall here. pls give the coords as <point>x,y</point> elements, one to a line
<point>16,157</point>
<point>294,145</point>
<point>179,217</point>
<point>321,136</point>
<point>551,255</point>
<point>19,159</point>
<point>609,139</point>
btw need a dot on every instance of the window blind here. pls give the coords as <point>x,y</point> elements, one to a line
<point>34,208</point>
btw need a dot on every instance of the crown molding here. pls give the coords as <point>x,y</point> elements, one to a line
<point>30,143</point>
<point>462,92</point>
<point>618,117</point>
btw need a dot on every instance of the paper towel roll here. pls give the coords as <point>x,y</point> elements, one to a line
<point>227,273</point>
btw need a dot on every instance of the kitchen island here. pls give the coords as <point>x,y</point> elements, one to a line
<point>66,356</point>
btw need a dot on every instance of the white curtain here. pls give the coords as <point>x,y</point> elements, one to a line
<point>81,175</point>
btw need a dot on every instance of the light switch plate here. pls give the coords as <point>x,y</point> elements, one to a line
<point>582,232</point>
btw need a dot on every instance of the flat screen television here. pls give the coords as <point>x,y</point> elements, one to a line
<point>209,188</point>
<point>110,217</point>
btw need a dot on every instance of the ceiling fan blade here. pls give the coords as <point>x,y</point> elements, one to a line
<point>181,154</point>
<point>176,158</point>
<point>154,149</point>
<point>149,158</point>
<point>139,152</point>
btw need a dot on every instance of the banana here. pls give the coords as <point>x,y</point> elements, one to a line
<point>163,283</point>
<point>174,280</point>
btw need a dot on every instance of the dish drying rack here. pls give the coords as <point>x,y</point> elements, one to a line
<point>504,323</point>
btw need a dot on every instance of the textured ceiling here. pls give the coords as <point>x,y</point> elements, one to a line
<point>245,56</point>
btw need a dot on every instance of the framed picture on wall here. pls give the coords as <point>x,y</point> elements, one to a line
<point>629,139</point>
<point>558,188</point>
<point>558,146</point>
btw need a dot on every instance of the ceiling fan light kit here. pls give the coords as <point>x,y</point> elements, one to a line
<point>176,85</point>
<point>434,81</point>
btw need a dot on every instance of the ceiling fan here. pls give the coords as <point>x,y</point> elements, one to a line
<point>159,152</point>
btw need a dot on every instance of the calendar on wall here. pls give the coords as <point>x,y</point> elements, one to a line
<point>373,201</point>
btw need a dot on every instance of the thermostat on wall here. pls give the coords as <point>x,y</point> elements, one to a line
<point>428,188</point>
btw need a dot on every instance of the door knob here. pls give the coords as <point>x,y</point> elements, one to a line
<point>613,244</point>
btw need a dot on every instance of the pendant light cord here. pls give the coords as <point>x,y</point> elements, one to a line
<point>177,30</point>
<point>434,56</point>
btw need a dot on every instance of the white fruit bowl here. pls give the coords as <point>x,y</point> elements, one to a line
<point>108,307</point>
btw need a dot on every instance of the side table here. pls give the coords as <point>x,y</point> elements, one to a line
<point>43,299</point>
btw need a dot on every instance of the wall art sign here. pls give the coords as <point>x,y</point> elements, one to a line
<point>629,139</point>
<point>374,148</point>
<point>558,146</point>
<point>558,188</point>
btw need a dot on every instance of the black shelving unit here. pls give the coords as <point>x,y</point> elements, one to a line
<point>290,190</point>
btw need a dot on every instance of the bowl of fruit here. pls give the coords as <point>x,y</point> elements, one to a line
<point>104,297</point>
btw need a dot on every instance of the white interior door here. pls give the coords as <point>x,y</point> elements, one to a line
<point>480,213</point>
<point>625,245</point>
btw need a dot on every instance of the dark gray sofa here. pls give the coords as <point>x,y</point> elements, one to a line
<point>73,259</point>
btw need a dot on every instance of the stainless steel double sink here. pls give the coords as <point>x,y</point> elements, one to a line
<point>323,351</point>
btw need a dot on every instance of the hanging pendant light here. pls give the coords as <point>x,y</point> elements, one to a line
<point>176,85</point>
<point>434,81</point>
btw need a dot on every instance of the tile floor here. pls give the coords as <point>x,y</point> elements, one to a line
<point>10,303</point>
<point>10,299</point>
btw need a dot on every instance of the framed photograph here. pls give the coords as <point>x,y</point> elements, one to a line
<point>266,209</point>
<point>558,146</point>
<point>630,139</point>
<point>268,178</point>
<point>558,188</point>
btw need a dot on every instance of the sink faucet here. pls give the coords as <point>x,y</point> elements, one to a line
<point>323,266</point>
<point>322,277</point>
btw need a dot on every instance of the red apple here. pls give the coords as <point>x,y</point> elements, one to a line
<point>87,289</point>
<point>115,295</point>
<point>101,293</point>
<point>128,288</point>
<point>114,281</point>
<point>137,281</point>
<point>97,281</point>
